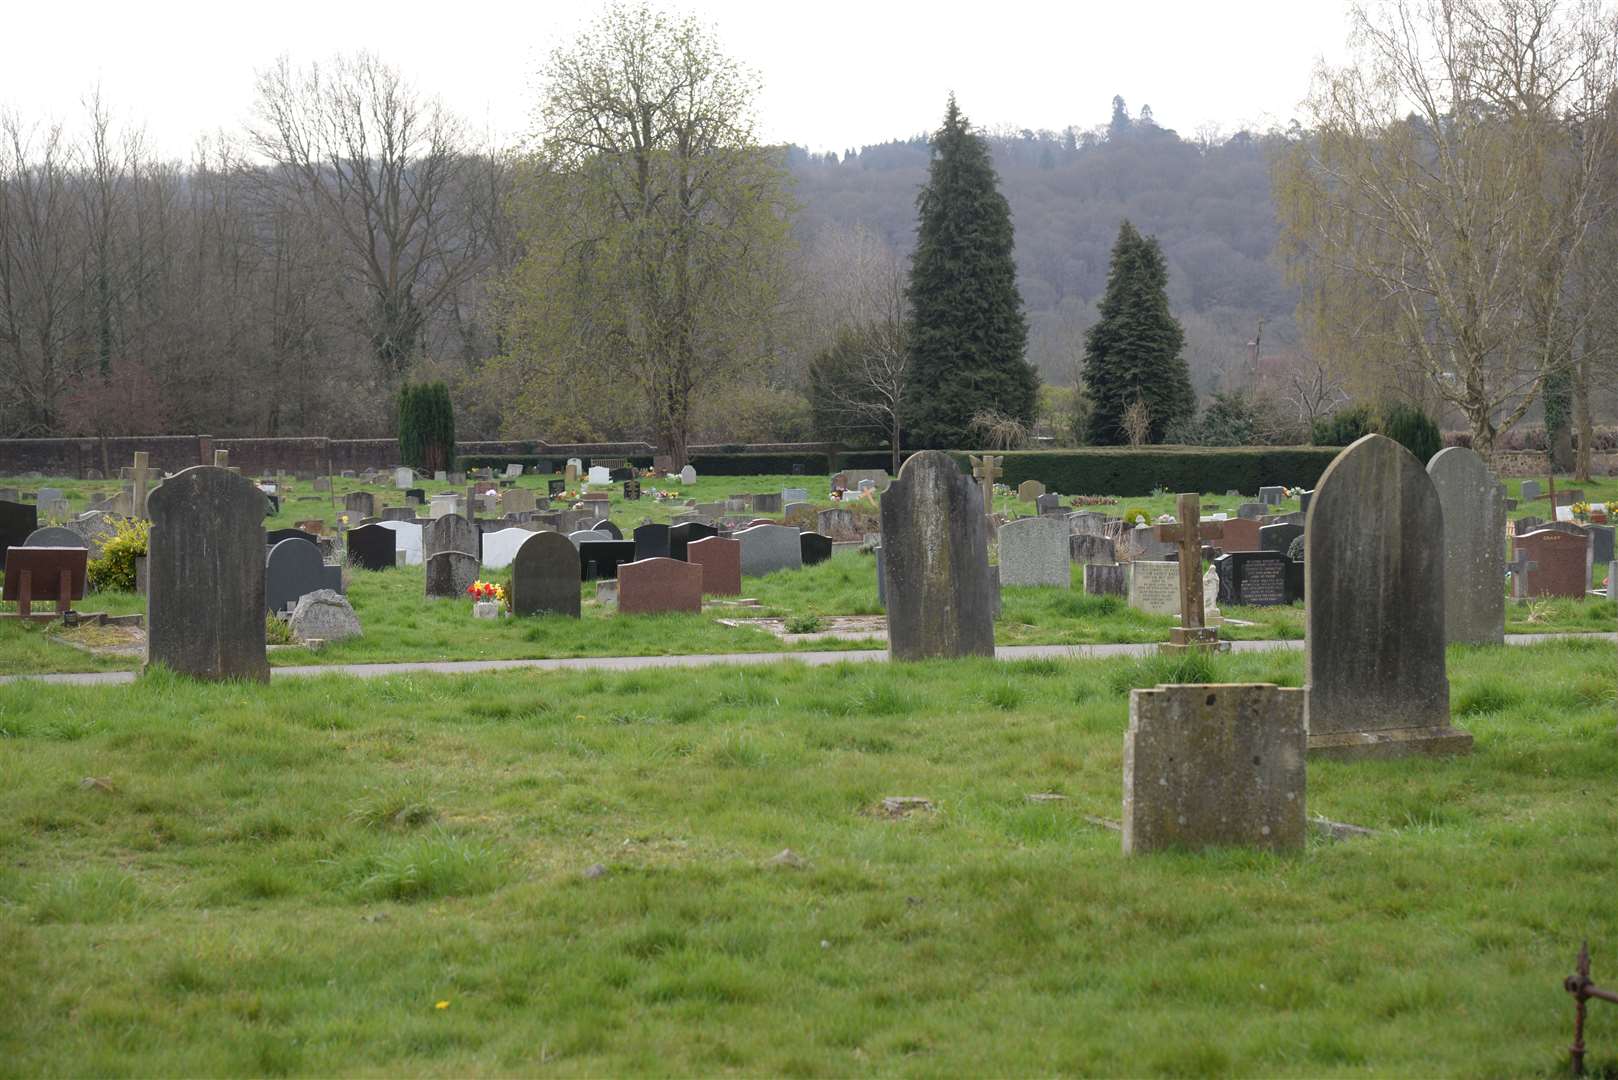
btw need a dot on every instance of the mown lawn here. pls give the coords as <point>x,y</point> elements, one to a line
<point>389,877</point>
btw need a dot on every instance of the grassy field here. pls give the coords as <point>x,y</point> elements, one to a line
<point>389,877</point>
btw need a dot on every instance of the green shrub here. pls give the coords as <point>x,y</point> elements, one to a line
<point>1413,429</point>
<point>803,624</point>
<point>114,571</point>
<point>1345,426</point>
<point>1130,473</point>
<point>1136,516</point>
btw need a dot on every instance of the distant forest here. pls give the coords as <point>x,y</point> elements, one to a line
<point>1207,200</point>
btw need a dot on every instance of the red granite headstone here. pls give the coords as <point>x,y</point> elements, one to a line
<point>49,574</point>
<point>1241,534</point>
<point>1563,563</point>
<point>653,586</point>
<point>721,562</point>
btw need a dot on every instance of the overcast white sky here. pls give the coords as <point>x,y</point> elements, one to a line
<point>837,73</point>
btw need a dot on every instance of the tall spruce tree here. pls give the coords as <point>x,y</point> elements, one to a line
<point>1132,353</point>
<point>968,335</point>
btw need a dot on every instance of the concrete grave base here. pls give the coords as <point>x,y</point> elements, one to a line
<point>1392,743</point>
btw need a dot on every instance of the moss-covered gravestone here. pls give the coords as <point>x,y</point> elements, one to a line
<point>205,575</point>
<point>1374,598</point>
<point>939,592</point>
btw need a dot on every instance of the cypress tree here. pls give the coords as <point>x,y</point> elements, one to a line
<point>968,335</point>
<point>1133,351</point>
<point>426,427</point>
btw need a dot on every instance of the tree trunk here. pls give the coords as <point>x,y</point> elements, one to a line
<point>1581,412</point>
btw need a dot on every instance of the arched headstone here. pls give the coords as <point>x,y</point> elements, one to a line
<point>935,565</point>
<point>205,575</point>
<point>55,536</point>
<point>452,532</point>
<point>1374,585</point>
<point>293,570</point>
<point>545,576</point>
<point>1474,508</point>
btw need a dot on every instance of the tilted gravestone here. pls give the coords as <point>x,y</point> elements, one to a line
<point>1374,609</point>
<point>1034,551</point>
<point>1214,765</point>
<point>939,590</point>
<point>450,574</point>
<point>815,548</point>
<point>721,560</point>
<point>293,570</point>
<point>545,576</point>
<point>659,585</point>
<point>205,575</point>
<point>768,548</point>
<point>372,547</point>
<point>1472,503</point>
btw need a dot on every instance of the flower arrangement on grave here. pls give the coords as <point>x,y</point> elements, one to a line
<point>488,599</point>
<point>1580,511</point>
<point>836,495</point>
<point>1094,500</point>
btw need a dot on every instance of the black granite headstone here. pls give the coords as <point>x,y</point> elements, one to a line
<point>17,523</point>
<point>1253,578</point>
<point>371,547</point>
<point>652,542</point>
<point>686,533</point>
<point>293,570</point>
<point>275,536</point>
<point>1278,537</point>
<point>545,576</point>
<point>816,548</point>
<point>600,559</point>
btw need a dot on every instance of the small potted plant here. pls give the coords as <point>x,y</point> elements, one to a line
<point>488,600</point>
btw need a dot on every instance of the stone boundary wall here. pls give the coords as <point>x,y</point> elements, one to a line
<point>1528,464</point>
<point>84,458</point>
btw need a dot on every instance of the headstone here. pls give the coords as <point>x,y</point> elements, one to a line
<point>721,560</point>
<point>600,559</point>
<point>1034,551</point>
<point>452,532</point>
<point>55,536</point>
<point>588,536</point>
<point>1526,524</point>
<point>205,576</point>
<point>836,523</point>
<point>1472,503</point>
<point>1154,587</point>
<point>1272,496</point>
<point>141,478</point>
<point>321,483</point>
<point>1563,563</point>
<point>659,585</point>
<point>501,546</point>
<point>1374,579</point>
<point>1303,500</point>
<point>443,504</point>
<point>940,594</point>
<point>449,574</point>
<point>403,478</point>
<point>1190,534</point>
<point>605,525</point>
<point>688,475</point>
<point>571,472</point>
<point>598,476</point>
<point>814,547</point>
<point>794,495</point>
<point>440,476</point>
<point>878,477</point>
<point>363,503</point>
<point>652,542</point>
<point>518,500</point>
<point>293,570</point>
<point>1087,523</point>
<point>1278,537</point>
<point>45,575</point>
<point>1569,496</point>
<point>1239,534</point>
<point>631,490</point>
<point>323,615</point>
<point>881,575</point>
<point>545,576</point>
<point>372,547</point>
<point>275,536</point>
<point>1029,490</point>
<point>1085,548</point>
<point>407,540</point>
<point>767,502</point>
<point>398,513</point>
<point>682,535</point>
<point>1252,510</point>
<point>768,548</point>
<point>800,513</point>
<point>513,471</point>
<point>1215,765</point>
<point>1106,579</point>
<point>1148,544</point>
<point>1601,546</point>
<point>555,487</point>
<point>1253,579</point>
<point>1049,503</point>
<point>1612,581</point>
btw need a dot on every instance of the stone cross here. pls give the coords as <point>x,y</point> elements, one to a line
<point>137,502</point>
<point>985,470</point>
<point>1519,567</point>
<point>1188,535</point>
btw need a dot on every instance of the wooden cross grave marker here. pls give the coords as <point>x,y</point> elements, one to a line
<point>985,470</point>
<point>138,479</point>
<point>1187,534</point>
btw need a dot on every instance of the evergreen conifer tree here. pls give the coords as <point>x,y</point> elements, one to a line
<point>968,335</point>
<point>1132,353</point>
<point>426,427</point>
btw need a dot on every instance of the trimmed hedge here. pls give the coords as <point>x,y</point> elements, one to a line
<point>1128,473</point>
<point>814,464</point>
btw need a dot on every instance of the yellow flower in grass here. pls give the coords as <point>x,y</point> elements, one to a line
<point>442,1005</point>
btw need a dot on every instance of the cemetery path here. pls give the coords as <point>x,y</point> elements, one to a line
<point>637,663</point>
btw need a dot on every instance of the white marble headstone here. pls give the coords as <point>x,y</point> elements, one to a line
<point>407,540</point>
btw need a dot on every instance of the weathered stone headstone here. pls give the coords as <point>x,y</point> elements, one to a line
<point>1601,545</point>
<point>590,536</point>
<point>1253,578</point>
<point>323,615</point>
<point>768,548</point>
<point>513,470</point>
<point>363,503</point>
<point>1530,490</point>
<point>1214,765</point>
<point>403,478</point>
<point>1034,551</point>
<point>878,477</point>
<point>205,576</point>
<point>1087,522</point>
<point>1472,502</point>
<point>452,532</point>
<point>836,523</point>
<point>1106,579</point>
<point>294,569</point>
<point>815,547</point>
<point>1086,548</point>
<point>1562,563</point>
<point>1252,510</point>
<point>721,560</point>
<point>450,574</point>
<point>372,547</point>
<point>794,495</point>
<point>599,560</point>
<point>939,590</point>
<point>545,576</point>
<point>518,500</point>
<point>659,585</point>
<point>1272,496</point>
<point>1050,503</point>
<point>398,513</point>
<point>1154,587</point>
<point>1029,490</point>
<point>55,536</point>
<point>688,475</point>
<point>652,542</point>
<point>1374,579</point>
